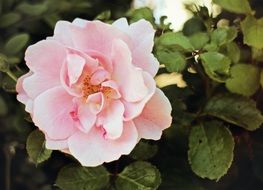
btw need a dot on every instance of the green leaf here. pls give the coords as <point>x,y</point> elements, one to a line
<point>141,13</point>
<point>235,109</point>
<point>35,146</point>
<point>193,25</point>
<point>52,19</point>
<point>236,6</point>
<point>144,151</point>
<point>175,39</point>
<point>211,148</point>
<point>221,36</point>
<point>211,47</point>
<point>216,65</point>
<point>244,79</point>
<point>199,40</point>
<point>257,54</point>
<point>233,52</point>
<point>252,29</point>
<point>9,19</point>
<point>4,66</point>
<point>32,9</point>
<point>173,61</point>
<point>74,177</point>
<point>8,84</point>
<point>105,15</point>
<point>16,43</point>
<point>139,176</point>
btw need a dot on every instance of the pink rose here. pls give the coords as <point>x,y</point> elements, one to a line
<point>90,89</point>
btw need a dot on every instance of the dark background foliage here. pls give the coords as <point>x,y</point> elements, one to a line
<point>169,154</point>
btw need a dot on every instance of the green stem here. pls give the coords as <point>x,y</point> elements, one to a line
<point>8,158</point>
<point>11,75</point>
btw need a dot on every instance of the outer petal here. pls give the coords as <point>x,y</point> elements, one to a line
<point>133,109</point>
<point>142,32</point>
<point>93,149</point>
<point>121,24</point>
<point>155,117</point>
<point>38,83</point>
<point>142,35</point>
<point>80,22</point>
<point>128,77</point>
<point>111,118</point>
<point>62,33</point>
<point>51,113</point>
<point>97,36</point>
<point>46,57</point>
<point>22,95</point>
<point>56,144</point>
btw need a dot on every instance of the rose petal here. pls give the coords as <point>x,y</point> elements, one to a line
<point>38,83</point>
<point>96,36</point>
<point>93,149</point>
<point>80,22</point>
<point>134,109</point>
<point>112,90</point>
<point>128,77</point>
<point>22,96</point>
<point>155,117</point>
<point>142,35</point>
<point>121,24</point>
<point>75,67</point>
<point>51,113</point>
<point>46,57</point>
<point>111,118</point>
<point>86,117</point>
<point>95,102</point>
<point>56,144</point>
<point>82,64</point>
<point>99,76</point>
<point>62,33</point>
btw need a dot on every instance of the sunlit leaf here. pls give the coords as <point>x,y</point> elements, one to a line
<point>244,79</point>
<point>224,35</point>
<point>236,6</point>
<point>174,61</point>
<point>252,29</point>
<point>199,40</point>
<point>175,39</point>
<point>216,65</point>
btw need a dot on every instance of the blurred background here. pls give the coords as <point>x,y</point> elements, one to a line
<point>33,20</point>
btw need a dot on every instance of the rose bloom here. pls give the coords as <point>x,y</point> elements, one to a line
<point>90,89</point>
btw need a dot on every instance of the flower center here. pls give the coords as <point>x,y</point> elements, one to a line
<point>87,88</point>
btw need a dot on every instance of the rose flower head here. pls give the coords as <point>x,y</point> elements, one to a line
<point>91,91</point>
